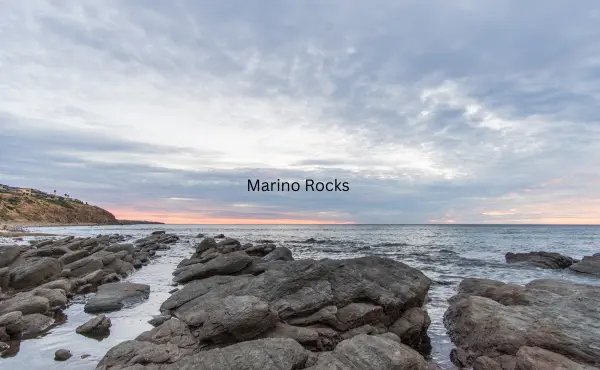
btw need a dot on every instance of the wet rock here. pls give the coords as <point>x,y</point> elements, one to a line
<point>588,265</point>
<point>31,273</point>
<point>26,303</point>
<point>12,322</point>
<point>279,254</point>
<point>115,296</point>
<point>173,290</point>
<point>8,253</point>
<point>97,327</point>
<point>557,315</point>
<point>62,355</point>
<point>36,324</point>
<point>219,236</point>
<point>365,352</point>
<point>547,260</point>
<point>200,235</point>
<point>223,265</point>
<point>158,232</point>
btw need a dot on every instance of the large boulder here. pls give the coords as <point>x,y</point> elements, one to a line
<point>31,273</point>
<point>85,265</point>
<point>588,265</point>
<point>115,296</point>
<point>342,298</point>
<point>35,324</point>
<point>500,319</point>
<point>546,260</point>
<point>12,322</point>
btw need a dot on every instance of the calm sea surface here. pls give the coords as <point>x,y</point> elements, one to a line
<point>446,254</point>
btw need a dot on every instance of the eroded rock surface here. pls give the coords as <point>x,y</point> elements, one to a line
<point>546,260</point>
<point>500,322</point>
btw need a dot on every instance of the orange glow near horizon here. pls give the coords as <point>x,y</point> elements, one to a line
<point>191,219</point>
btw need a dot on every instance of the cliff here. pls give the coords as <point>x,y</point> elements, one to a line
<point>21,208</point>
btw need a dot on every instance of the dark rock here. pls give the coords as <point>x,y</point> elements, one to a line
<point>8,253</point>
<point>12,322</point>
<point>32,273</point>
<point>158,232</point>
<point>84,289</point>
<point>97,327</point>
<point>3,347</point>
<point>219,236</point>
<point>223,265</point>
<point>365,352</point>
<point>200,235</point>
<point>412,327</point>
<point>128,248</point>
<point>115,296</point>
<point>173,290</point>
<point>36,324</point>
<point>206,244</point>
<point>26,303</point>
<point>279,254</point>
<point>62,355</point>
<point>260,250</point>
<point>588,265</point>
<point>547,260</point>
<point>501,319</point>
<point>85,265</point>
<point>158,320</point>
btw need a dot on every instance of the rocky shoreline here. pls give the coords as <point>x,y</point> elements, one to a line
<point>37,282</point>
<point>254,306</point>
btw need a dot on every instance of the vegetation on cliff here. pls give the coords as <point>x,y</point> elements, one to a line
<point>25,208</point>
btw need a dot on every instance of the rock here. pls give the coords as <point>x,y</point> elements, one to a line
<point>62,355</point>
<point>173,290</point>
<point>4,336</point>
<point>412,327</point>
<point>260,250</point>
<point>279,254</point>
<point>158,232</point>
<point>8,253</point>
<point>63,284</point>
<point>223,265</point>
<point>56,297</point>
<point>200,235</point>
<point>234,319</point>
<point>533,358</point>
<point>36,324</point>
<point>219,236</point>
<point>3,347</point>
<point>12,322</point>
<point>32,273</point>
<point>486,363</point>
<point>84,289</point>
<point>96,327</point>
<point>115,296</point>
<point>158,320</point>
<point>110,278</point>
<point>365,352</point>
<point>557,315</point>
<point>588,265</point>
<point>85,265</point>
<point>206,244</point>
<point>228,241</point>
<point>547,260</point>
<point>262,354</point>
<point>73,256</point>
<point>26,303</point>
<point>128,248</point>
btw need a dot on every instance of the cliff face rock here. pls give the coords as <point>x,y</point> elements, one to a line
<point>30,209</point>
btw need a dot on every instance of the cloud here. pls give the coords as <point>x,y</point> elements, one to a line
<point>431,110</point>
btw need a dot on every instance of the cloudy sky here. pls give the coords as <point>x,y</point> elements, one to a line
<point>463,111</point>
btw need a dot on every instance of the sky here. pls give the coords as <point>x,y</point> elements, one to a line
<point>433,111</point>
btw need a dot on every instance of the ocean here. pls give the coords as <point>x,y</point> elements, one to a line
<point>445,253</point>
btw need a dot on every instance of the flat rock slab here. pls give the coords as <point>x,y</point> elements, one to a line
<point>115,296</point>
